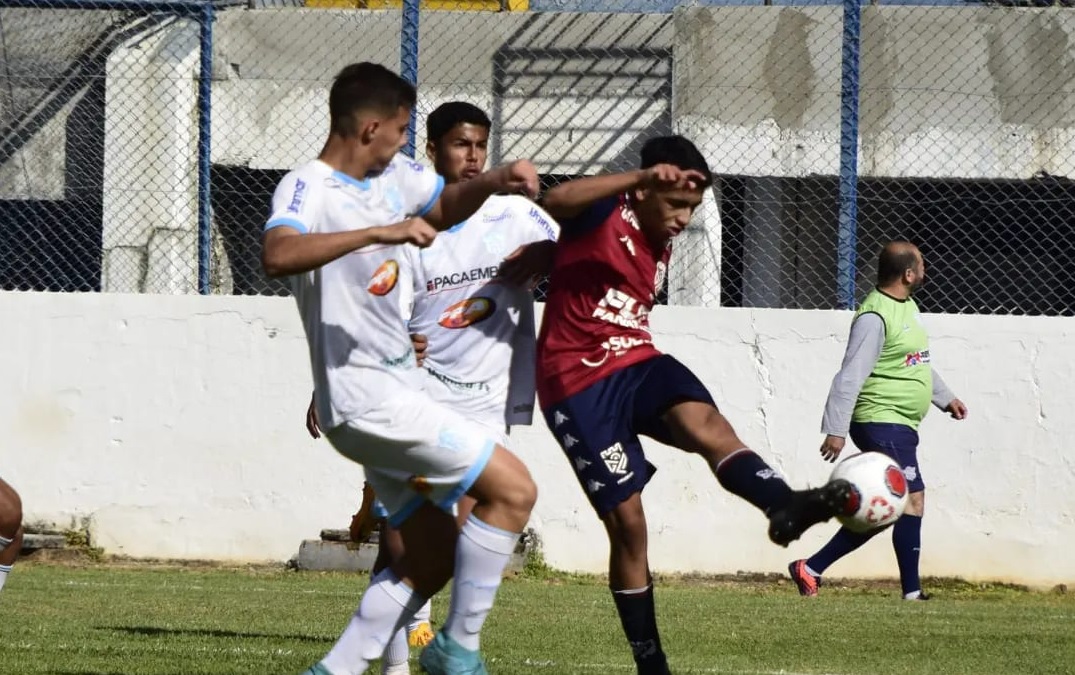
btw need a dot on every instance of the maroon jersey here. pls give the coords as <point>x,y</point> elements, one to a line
<point>604,281</point>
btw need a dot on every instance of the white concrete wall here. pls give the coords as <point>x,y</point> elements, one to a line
<point>175,426</point>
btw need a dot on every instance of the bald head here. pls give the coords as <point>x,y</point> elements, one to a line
<point>897,258</point>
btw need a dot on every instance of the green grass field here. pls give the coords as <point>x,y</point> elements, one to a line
<point>109,619</point>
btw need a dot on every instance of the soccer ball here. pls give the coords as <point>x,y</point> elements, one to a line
<point>878,491</point>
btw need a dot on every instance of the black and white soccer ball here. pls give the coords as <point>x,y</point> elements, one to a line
<point>878,491</point>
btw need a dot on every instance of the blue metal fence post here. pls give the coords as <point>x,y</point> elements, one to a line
<point>205,89</point>
<point>849,132</point>
<point>408,58</point>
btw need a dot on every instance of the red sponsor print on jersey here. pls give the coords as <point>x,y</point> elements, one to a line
<point>384,279</point>
<point>597,307</point>
<point>467,313</point>
<point>895,481</point>
<point>916,358</point>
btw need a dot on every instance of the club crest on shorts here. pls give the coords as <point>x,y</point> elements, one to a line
<point>615,459</point>
<point>467,313</point>
<point>384,279</point>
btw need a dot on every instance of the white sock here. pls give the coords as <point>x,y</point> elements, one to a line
<point>385,608</point>
<point>397,652</point>
<point>480,558</point>
<point>4,569</point>
<point>4,542</point>
<point>421,616</point>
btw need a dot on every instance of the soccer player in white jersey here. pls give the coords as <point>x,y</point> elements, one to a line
<point>472,317</point>
<point>337,229</point>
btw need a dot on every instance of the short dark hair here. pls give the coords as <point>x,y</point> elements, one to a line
<point>896,258</point>
<point>449,115</point>
<point>677,151</point>
<point>366,87</point>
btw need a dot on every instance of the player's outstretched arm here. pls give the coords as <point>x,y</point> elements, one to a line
<point>571,198</point>
<point>286,251</point>
<point>460,201</point>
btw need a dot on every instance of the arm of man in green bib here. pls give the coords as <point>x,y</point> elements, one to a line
<point>864,346</point>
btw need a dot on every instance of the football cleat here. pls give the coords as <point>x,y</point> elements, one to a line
<point>807,508</point>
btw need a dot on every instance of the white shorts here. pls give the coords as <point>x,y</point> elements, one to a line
<point>415,450</point>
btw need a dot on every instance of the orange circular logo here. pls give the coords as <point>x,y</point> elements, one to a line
<point>385,278</point>
<point>467,313</point>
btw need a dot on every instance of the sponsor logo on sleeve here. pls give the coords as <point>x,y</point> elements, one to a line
<point>297,197</point>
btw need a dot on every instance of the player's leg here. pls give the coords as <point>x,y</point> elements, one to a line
<point>593,429</point>
<point>398,591</point>
<point>632,584</point>
<point>10,529</point>
<point>394,660</point>
<point>807,572</point>
<point>420,630</point>
<point>504,495</point>
<point>907,531</point>
<point>675,408</point>
<point>397,443</point>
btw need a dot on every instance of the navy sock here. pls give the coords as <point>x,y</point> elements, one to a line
<point>639,618</point>
<point>746,475</point>
<point>907,542</point>
<point>842,543</point>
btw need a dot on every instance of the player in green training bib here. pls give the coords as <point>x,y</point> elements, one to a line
<point>880,396</point>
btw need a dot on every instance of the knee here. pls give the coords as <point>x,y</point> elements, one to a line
<point>626,525</point>
<point>520,494</point>
<point>916,504</point>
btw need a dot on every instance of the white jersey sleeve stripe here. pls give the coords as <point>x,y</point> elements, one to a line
<point>286,222</point>
<point>432,200</point>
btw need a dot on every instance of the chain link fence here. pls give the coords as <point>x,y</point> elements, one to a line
<point>117,174</point>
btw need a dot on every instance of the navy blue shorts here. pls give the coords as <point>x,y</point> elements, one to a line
<point>898,441</point>
<point>599,427</point>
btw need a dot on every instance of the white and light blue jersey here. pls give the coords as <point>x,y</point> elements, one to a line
<point>360,349</point>
<point>481,331</point>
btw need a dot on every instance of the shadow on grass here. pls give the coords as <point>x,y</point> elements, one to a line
<point>157,631</point>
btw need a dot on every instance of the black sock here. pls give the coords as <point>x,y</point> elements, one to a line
<point>746,475</point>
<point>639,619</point>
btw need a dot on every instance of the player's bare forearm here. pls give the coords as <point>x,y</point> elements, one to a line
<point>460,201</point>
<point>571,198</point>
<point>285,251</point>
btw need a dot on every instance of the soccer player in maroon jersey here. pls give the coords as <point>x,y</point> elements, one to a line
<point>602,383</point>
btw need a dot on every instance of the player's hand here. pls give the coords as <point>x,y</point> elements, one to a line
<point>411,231</point>
<point>957,409</point>
<point>421,344</point>
<point>363,522</point>
<point>831,448</point>
<point>519,177</point>
<point>527,264</point>
<point>668,176</point>
<point>312,424</point>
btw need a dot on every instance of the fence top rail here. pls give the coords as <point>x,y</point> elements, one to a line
<point>175,6</point>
